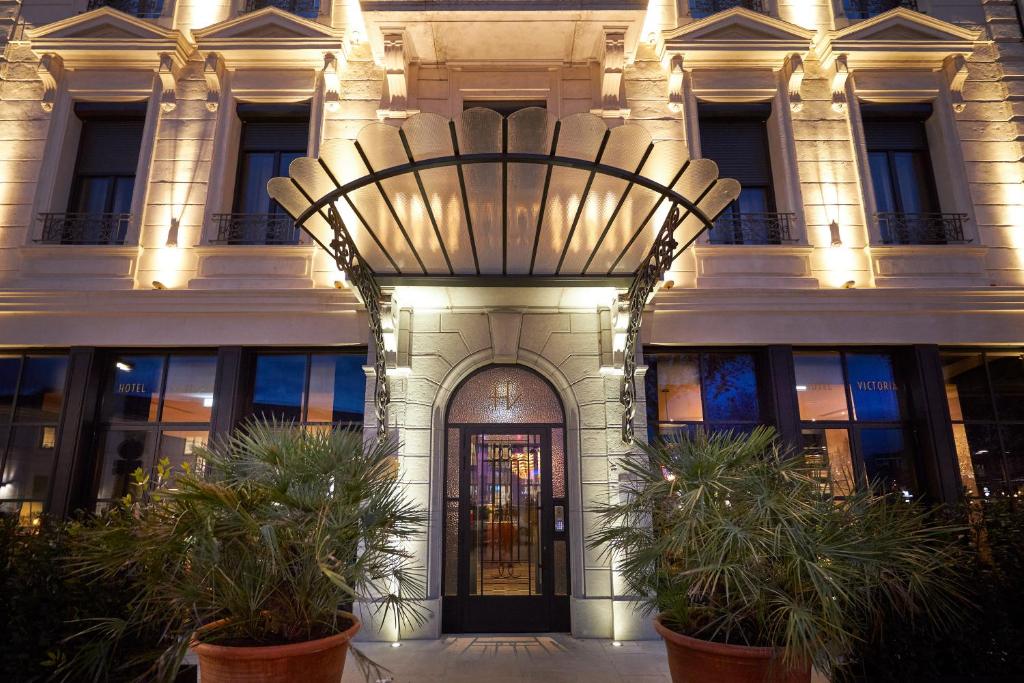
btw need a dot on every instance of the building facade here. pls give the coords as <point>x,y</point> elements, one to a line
<point>864,293</point>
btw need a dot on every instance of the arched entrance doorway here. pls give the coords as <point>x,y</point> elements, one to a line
<point>506,518</point>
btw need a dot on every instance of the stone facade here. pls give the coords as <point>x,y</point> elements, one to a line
<point>169,285</point>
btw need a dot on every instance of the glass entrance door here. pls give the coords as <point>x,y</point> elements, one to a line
<point>509,556</point>
<point>504,505</point>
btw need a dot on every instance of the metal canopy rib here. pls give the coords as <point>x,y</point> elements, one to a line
<point>708,197</point>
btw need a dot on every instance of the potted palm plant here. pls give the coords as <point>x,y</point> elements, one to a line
<point>756,573</point>
<point>254,558</point>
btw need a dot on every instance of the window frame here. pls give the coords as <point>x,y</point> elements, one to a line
<point>8,427</point>
<point>308,353</point>
<point>156,427</point>
<point>853,426</point>
<point>762,377</point>
<point>995,421</point>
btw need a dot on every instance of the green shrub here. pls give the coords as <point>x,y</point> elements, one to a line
<point>987,642</point>
<point>284,528</point>
<point>734,542</point>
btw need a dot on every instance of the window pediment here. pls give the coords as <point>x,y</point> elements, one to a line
<point>272,37</point>
<point>107,38</point>
<point>899,38</point>
<point>738,37</point>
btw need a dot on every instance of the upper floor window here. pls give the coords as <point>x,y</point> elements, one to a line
<point>143,9</point>
<point>865,9</point>
<point>853,420</point>
<point>272,137</point>
<point>103,183</point>
<point>720,390</point>
<point>154,406</point>
<point>705,8</point>
<point>735,137</point>
<point>304,8</point>
<point>31,400</point>
<point>985,391</point>
<point>906,198</point>
<point>309,388</point>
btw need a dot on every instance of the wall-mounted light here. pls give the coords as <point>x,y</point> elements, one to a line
<point>172,232</point>
<point>159,285</point>
<point>837,238</point>
<point>356,37</point>
<point>652,39</point>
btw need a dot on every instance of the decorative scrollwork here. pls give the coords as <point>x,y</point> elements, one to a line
<point>351,263</point>
<point>647,277</point>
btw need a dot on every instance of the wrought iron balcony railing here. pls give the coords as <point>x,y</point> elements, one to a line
<point>255,228</point>
<point>753,228</point>
<point>143,9</point>
<point>705,8</point>
<point>922,228</point>
<point>84,228</point>
<point>304,8</point>
<point>865,9</point>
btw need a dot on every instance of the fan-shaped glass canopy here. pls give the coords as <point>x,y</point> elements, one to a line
<point>487,197</point>
<point>482,195</point>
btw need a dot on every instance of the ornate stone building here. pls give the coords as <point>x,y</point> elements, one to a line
<point>864,293</point>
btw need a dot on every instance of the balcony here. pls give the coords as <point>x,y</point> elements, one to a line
<point>84,228</point>
<point>255,228</point>
<point>922,228</point>
<point>705,8</point>
<point>303,8</point>
<point>143,9</point>
<point>865,9</point>
<point>753,228</point>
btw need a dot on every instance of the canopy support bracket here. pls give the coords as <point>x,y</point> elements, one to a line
<point>349,261</point>
<point>654,267</point>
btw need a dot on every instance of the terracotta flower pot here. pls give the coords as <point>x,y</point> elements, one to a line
<point>314,661</point>
<point>691,660</point>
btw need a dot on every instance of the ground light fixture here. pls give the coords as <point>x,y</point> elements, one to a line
<point>396,644</point>
<point>159,285</point>
<point>849,284</point>
<point>616,643</point>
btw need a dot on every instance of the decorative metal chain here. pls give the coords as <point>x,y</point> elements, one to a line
<point>351,263</point>
<point>647,277</point>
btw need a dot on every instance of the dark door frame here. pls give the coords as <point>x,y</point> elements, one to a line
<point>465,613</point>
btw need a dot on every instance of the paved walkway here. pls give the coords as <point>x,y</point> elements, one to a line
<point>515,659</point>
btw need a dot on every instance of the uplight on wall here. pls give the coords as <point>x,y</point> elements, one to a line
<point>837,238</point>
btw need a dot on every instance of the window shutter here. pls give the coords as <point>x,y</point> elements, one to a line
<point>737,143</point>
<point>274,128</point>
<point>110,146</point>
<point>896,128</point>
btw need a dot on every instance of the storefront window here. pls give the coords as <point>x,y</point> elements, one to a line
<point>718,389</point>
<point>314,388</point>
<point>852,421</point>
<point>985,391</point>
<point>31,399</point>
<point>153,407</point>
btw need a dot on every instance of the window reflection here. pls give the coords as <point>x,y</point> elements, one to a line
<point>278,387</point>
<point>337,386</point>
<point>679,388</point>
<point>873,387</point>
<point>121,454</point>
<point>828,451</point>
<point>10,368</point>
<point>717,389</point>
<point>820,386</point>
<point>189,393</point>
<point>133,391</point>
<point>41,391</point>
<point>321,388</point>
<point>985,391</point>
<point>889,465</point>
